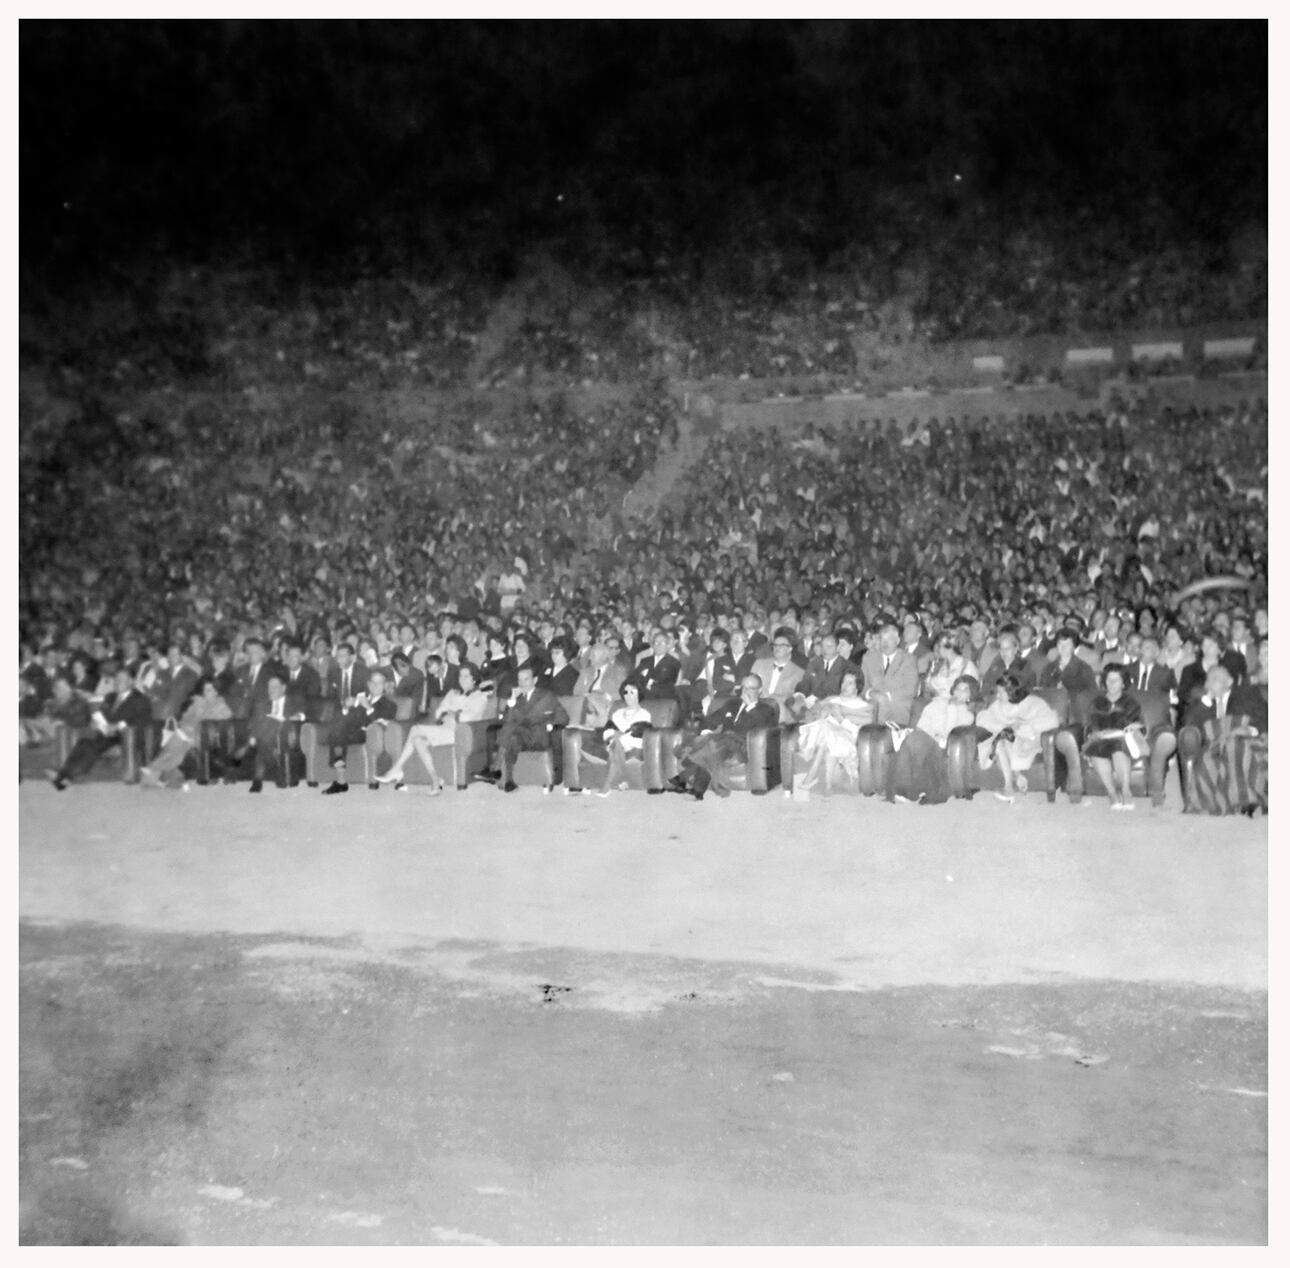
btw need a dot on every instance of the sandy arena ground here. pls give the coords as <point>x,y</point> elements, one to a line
<point>523,1020</point>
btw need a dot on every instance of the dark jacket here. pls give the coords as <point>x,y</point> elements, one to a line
<point>735,716</point>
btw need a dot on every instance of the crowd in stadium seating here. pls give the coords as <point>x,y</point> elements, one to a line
<point>776,316</point>
<point>352,528</point>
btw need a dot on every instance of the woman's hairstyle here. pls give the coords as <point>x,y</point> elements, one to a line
<point>467,668</point>
<point>629,685</point>
<point>1118,670</point>
<point>1014,688</point>
<point>850,673</point>
<point>953,639</point>
<point>972,684</point>
<point>1216,636</point>
<point>719,633</point>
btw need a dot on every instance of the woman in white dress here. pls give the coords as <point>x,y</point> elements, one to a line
<point>1014,724</point>
<point>949,664</point>
<point>834,727</point>
<point>467,703</point>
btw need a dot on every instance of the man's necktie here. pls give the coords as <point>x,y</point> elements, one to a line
<point>1142,679</point>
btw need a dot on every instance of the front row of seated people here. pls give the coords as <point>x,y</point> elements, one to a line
<point>1224,731</point>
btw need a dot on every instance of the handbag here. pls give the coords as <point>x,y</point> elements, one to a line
<point>1136,743</point>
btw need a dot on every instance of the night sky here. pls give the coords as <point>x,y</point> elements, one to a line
<point>610,144</point>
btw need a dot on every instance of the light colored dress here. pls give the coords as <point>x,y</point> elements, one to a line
<point>943,715</point>
<point>1028,719</point>
<point>623,743</point>
<point>941,678</point>
<point>474,707</point>
<point>835,728</point>
<point>187,734</point>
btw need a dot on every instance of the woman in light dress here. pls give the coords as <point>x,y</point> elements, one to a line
<point>831,733</point>
<point>1014,723</point>
<point>465,704</point>
<point>180,738</point>
<point>949,664</point>
<point>916,770</point>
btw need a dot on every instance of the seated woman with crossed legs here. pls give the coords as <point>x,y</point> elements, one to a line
<point>466,704</point>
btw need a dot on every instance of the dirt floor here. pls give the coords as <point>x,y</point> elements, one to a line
<point>529,1020</point>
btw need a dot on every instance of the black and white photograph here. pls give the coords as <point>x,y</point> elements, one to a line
<point>642,630</point>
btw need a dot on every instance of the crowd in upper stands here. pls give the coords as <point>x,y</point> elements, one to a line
<point>778,316</point>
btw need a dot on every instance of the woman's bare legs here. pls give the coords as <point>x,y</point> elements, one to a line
<point>1102,765</point>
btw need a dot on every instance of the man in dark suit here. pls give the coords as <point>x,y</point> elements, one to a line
<point>252,679</point>
<point>1215,703</point>
<point>1146,674</point>
<point>1069,670</point>
<point>125,708</point>
<point>714,676</point>
<point>347,679</point>
<point>656,675</point>
<point>532,723</point>
<point>267,732</point>
<point>824,671</point>
<point>723,740</point>
<point>370,707</point>
<point>914,641</point>
<point>1240,654</point>
<point>407,683</point>
<point>1029,651</point>
<point>743,656</point>
<point>303,686</point>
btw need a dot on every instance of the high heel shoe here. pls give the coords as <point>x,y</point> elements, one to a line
<point>391,777</point>
<point>435,791</point>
